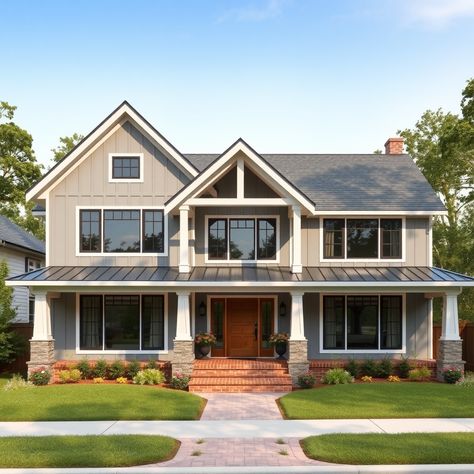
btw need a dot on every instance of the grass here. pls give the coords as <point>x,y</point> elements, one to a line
<point>98,402</point>
<point>408,448</point>
<point>85,451</point>
<point>380,400</point>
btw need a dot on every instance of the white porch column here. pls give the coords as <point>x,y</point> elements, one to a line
<point>183,239</point>
<point>296,266</point>
<point>450,322</point>
<point>42,321</point>
<point>183,326</point>
<point>297,317</point>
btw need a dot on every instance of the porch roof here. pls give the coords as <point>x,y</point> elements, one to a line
<point>240,276</point>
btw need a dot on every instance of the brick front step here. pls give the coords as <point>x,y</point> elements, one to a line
<point>235,364</point>
<point>239,388</point>
<point>238,372</point>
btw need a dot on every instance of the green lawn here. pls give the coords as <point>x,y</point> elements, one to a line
<point>98,402</point>
<point>410,448</point>
<point>380,400</point>
<point>85,451</point>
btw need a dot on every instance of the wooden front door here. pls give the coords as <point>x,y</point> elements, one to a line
<point>242,327</point>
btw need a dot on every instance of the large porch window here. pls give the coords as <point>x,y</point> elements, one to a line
<point>121,322</point>
<point>362,322</point>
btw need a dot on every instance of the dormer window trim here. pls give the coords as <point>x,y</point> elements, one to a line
<point>113,178</point>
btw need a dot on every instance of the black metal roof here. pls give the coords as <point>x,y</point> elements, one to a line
<point>102,274</point>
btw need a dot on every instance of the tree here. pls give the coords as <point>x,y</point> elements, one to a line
<point>65,146</point>
<point>7,314</point>
<point>18,166</point>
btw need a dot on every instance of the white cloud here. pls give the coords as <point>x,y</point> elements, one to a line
<point>255,13</point>
<point>438,12</point>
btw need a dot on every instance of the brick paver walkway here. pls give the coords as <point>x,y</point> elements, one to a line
<point>241,406</point>
<point>240,452</point>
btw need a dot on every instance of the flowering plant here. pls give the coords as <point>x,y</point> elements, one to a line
<point>205,339</point>
<point>121,380</point>
<point>180,381</point>
<point>393,378</point>
<point>367,378</point>
<point>306,380</point>
<point>98,380</point>
<point>452,375</point>
<point>279,337</point>
<point>40,376</point>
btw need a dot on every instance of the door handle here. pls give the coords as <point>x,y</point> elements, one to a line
<point>256,331</point>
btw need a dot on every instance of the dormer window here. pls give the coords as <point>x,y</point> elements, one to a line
<point>126,167</point>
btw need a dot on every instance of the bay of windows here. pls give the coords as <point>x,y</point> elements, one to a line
<point>121,322</point>
<point>121,231</point>
<point>242,238</point>
<point>362,238</point>
<point>362,322</point>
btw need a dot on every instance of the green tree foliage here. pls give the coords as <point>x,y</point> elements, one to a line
<point>7,314</point>
<point>66,144</point>
<point>442,144</point>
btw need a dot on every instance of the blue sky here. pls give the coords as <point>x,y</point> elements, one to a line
<point>315,76</point>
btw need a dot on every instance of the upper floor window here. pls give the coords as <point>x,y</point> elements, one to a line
<point>126,167</point>
<point>31,264</point>
<point>121,231</point>
<point>362,238</point>
<point>244,239</point>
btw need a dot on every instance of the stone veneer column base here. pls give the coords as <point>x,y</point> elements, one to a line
<point>449,355</point>
<point>41,355</point>
<point>183,357</point>
<point>298,360</point>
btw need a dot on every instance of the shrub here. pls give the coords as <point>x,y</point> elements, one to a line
<point>419,374</point>
<point>467,381</point>
<point>337,376</point>
<point>452,375</point>
<point>116,369</point>
<point>17,382</point>
<point>149,377</point>
<point>98,380</point>
<point>306,380</point>
<point>151,364</point>
<point>367,378</point>
<point>100,369</point>
<point>85,368</point>
<point>369,367</point>
<point>404,367</point>
<point>64,376</point>
<point>180,381</point>
<point>353,368</point>
<point>133,369</point>
<point>121,380</point>
<point>40,376</point>
<point>385,368</point>
<point>393,378</point>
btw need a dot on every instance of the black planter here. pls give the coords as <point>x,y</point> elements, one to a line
<point>280,349</point>
<point>204,350</point>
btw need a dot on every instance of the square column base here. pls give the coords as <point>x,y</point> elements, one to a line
<point>41,355</point>
<point>298,359</point>
<point>449,356</point>
<point>183,357</point>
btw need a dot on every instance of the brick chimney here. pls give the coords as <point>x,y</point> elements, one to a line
<point>394,146</point>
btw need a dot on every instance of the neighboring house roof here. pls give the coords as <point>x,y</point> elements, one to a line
<point>348,182</point>
<point>210,276</point>
<point>13,234</point>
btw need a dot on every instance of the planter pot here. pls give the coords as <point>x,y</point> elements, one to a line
<point>204,350</point>
<point>280,349</point>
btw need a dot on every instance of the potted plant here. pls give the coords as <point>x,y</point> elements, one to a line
<point>280,341</point>
<point>204,341</point>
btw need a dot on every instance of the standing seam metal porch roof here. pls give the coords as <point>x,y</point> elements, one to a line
<point>376,275</point>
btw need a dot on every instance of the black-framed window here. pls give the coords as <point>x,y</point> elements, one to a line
<point>89,223</point>
<point>31,309</point>
<point>122,322</point>
<point>362,322</point>
<point>125,167</point>
<point>266,235</point>
<point>217,239</point>
<point>122,231</point>
<point>242,239</point>
<point>91,322</point>
<point>391,238</point>
<point>359,238</point>
<point>153,231</point>
<point>333,238</point>
<point>153,325</point>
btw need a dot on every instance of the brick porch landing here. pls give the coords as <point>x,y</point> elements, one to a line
<point>240,375</point>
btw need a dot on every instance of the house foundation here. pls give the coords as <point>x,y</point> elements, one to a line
<point>41,355</point>
<point>298,359</point>
<point>449,356</point>
<point>183,357</point>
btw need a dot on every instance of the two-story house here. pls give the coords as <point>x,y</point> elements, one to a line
<point>147,246</point>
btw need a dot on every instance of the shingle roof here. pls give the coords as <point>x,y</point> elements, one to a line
<point>15,235</point>
<point>352,182</point>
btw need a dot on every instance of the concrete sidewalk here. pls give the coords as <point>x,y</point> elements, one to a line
<point>238,428</point>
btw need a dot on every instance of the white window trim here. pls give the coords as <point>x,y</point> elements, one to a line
<point>361,260</point>
<point>108,351</point>
<point>239,263</point>
<point>361,351</point>
<point>121,254</point>
<point>126,180</point>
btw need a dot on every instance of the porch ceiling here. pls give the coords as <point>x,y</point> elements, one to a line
<point>242,276</point>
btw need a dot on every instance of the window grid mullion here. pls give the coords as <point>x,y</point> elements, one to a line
<point>345,322</point>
